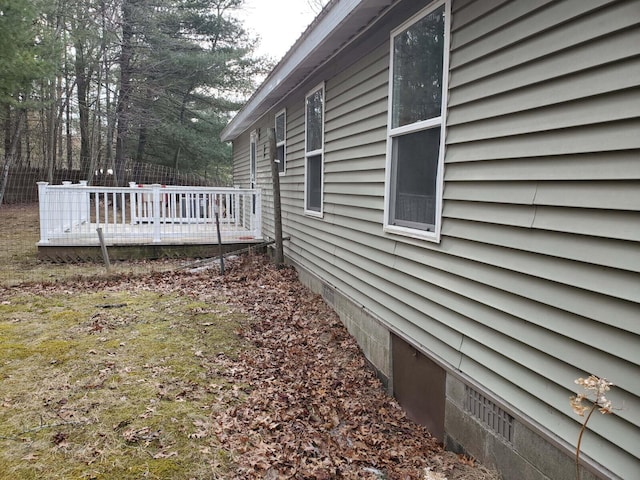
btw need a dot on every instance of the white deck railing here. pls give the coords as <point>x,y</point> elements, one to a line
<point>72,213</point>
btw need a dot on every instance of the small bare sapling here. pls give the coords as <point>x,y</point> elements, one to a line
<point>595,390</point>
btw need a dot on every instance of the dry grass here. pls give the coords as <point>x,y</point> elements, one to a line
<point>157,375</point>
<point>19,235</point>
<point>112,385</point>
<point>105,384</point>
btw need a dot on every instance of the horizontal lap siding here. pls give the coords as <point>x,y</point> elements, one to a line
<point>264,180</point>
<point>241,161</point>
<point>535,281</point>
<point>542,209</point>
<point>354,160</point>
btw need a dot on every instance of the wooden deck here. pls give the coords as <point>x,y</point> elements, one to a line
<point>143,234</point>
<point>136,242</point>
<point>152,221</point>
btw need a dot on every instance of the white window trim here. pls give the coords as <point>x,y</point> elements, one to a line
<point>284,141</point>
<point>319,151</point>
<point>430,123</point>
<point>253,165</point>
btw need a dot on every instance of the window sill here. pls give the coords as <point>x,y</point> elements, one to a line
<point>412,233</point>
<point>313,213</point>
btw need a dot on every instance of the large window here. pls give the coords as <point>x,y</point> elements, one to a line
<point>314,144</point>
<point>415,141</point>
<point>281,139</point>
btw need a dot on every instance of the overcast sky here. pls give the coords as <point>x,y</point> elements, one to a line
<point>279,23</point>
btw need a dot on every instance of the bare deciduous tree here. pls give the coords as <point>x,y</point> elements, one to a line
<point>316,6</point>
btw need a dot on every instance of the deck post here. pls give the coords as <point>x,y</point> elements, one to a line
<point>43,201</point>
<point>67,207</point>
<point>85,205</point>
<point>132,202</point>
<point>236,210</point>
<point>156,211</point>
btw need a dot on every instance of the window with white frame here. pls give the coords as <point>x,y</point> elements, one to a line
<point>314,146</point>
<point>281,139</point>
<point>415,135</point>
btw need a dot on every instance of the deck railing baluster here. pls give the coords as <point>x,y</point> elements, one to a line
<point>146,213</point>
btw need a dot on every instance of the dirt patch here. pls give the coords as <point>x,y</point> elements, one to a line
<point>190,375</point>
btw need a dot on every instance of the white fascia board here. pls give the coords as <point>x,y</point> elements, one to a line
<point>306,53</point>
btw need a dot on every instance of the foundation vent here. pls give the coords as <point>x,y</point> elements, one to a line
<point>489,413</point>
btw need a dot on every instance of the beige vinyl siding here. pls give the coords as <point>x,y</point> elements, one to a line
<point>355,129</point>
<point>263,168</point>
<point>542,203</point>
<point>580,248</point>
<point>505,27</point>
<point>620,165</point>
<point>241,161</point>
<point>535,281</point>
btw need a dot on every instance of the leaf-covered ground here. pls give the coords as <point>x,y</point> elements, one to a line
<point>187,374</point>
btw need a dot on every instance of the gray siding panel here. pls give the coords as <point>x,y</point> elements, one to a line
<point>621,105</point>
<point>571,35</point>
<point>536,279</point>
<point>602,80</point>
<point>622,165</point>
<point>468,13</point>
<point>580,248</point>
<point>593,138</point>
<point>617,47</point>
<point>541,200</point>
<point>595,194</point>
<point>528,20</point>
<point>612,224</point>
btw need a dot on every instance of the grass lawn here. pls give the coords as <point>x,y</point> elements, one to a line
<point>19,235</point>
<point>113,384</point>
<point>162,372</point>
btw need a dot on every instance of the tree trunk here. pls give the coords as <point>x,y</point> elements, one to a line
<point>176,158</point>
<point>143,130</point>
<point>68,136</point>
<point>183,109</point>
<point>142,142</point>
<point>51,125</point>
<point>27,141</point>
<point>106,66</point>
<point>82,87</point>
<point>60,115</point>
<point>68,90</point>
<point>7,129</point>
<point>10,154</point>
<point>122,107</point>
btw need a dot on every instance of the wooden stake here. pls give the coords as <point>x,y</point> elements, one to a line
<point>221,250</point>
<point>277,209</point>
<point>105,252</point>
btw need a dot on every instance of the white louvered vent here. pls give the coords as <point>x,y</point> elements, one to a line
<point>489,413</point>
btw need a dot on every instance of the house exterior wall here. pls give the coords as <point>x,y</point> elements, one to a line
<point>241,169</point>
<point>535,280</point>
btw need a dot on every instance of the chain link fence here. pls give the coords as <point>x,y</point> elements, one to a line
<point>21,185</point>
